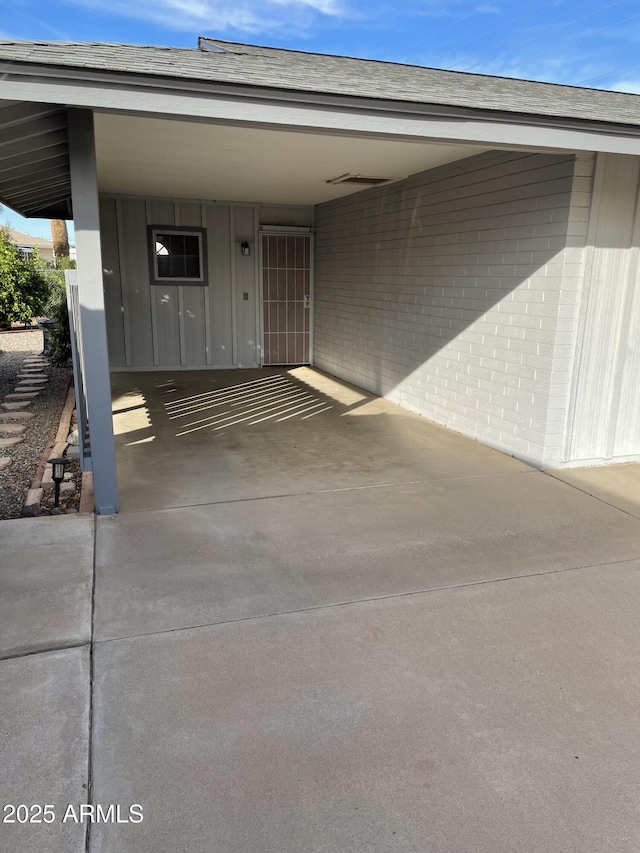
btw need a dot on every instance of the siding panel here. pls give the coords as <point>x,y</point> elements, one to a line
<point>112,283</point>
<point>135,283</point>
<point>217,223</point>
<point>185,325</point>
<point>606,412</point>
<point>245,276</point>
<point>164,299</point>
<point>194,326</point>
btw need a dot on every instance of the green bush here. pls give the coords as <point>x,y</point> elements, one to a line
<point>24,288</point>
<point>60,336</point>
<point>56,309</point>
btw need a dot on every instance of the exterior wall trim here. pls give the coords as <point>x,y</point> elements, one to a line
<point>334,114</point>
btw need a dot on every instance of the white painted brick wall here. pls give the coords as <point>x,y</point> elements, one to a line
<point>454,294</point>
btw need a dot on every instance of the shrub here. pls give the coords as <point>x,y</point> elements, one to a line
<point>56,309</point>
<point>23,284</point>
<point>60,336</point>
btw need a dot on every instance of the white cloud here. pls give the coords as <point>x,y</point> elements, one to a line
<point>221,16</point>
<point>630,86</point>
<point>572,68</point>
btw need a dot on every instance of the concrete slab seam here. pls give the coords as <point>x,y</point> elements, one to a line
<point>91,683</point>
<point>366,487</point>
<point>357,601</point>
<point>56,648</point>
<point>590,495</point>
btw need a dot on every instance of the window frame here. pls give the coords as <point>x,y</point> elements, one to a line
<point>188,231</point>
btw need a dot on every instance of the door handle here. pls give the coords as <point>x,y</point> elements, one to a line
<point>307,301</point>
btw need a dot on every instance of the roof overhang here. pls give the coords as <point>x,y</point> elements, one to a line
<point>34,173</point>
<point>200,100</point>
<point>34,159</point>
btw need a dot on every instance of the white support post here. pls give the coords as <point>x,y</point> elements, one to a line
<point>86,217</point>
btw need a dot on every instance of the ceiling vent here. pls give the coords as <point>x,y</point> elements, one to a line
<point>368,180</point>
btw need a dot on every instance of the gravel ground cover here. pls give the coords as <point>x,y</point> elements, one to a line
<point>15,480</point>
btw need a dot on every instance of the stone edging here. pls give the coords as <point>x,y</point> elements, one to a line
<point>43,480</point>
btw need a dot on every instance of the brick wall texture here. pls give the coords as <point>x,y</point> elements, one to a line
<point>455,294</point>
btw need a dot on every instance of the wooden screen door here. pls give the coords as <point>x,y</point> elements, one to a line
<point>286,298</point>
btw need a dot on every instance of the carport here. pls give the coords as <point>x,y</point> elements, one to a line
<point>475,246</point>
<point>322,621</point>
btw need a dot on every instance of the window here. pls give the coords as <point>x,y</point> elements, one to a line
<point>177,255</point>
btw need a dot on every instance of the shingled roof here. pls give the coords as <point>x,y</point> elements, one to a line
<point>231,63</point>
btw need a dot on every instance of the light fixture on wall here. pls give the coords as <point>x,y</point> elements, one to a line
<point>245,248</point>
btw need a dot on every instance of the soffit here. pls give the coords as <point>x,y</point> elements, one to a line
<point>179,159</point>
<point>34,159</point>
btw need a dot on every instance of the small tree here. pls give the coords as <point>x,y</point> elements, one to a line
<point>23,285</point>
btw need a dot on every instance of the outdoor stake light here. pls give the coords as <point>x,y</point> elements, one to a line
<point>57,475</point>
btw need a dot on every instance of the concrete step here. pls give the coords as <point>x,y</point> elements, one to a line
<point>42,377</point>
<point>33,386</point>
<point>10,442</point>
<point>15,416</point>
<point>5,461</point>
<point>20,396</point>
<point>11,429</point>
<point>15,407</point>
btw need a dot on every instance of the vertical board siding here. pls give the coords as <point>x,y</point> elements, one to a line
<point>220,290</point>
<point>571,274</point>
<point>188,213</point>
<point>606,412</point>
<point>626,438</point>
<point>194,326</point>
<point>245,272</point>
<point>165,298</point>
<point>193,315</point>
<point>183,326</point>
<point>112,283</point>
<point>134,263</point>
<point>443,293</point>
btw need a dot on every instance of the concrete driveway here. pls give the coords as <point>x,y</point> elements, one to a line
<point>353,632</point>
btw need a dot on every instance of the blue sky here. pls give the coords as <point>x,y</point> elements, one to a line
<point>578,42</point>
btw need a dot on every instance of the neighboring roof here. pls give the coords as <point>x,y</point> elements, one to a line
<point>21,239</point>
<point>225,62</point>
